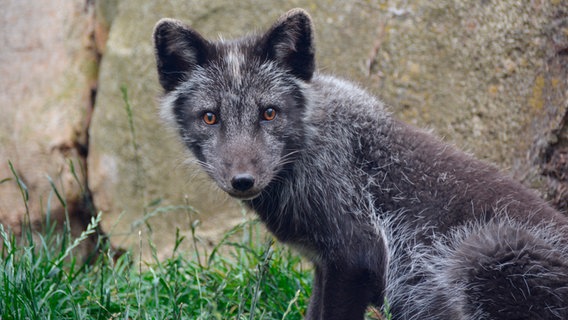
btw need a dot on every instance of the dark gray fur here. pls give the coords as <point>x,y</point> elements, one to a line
<point>381,208</point>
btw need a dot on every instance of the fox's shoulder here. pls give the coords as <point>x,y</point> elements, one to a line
<point>341,102</point>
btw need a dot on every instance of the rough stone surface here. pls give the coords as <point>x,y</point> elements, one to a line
<point>47,73</point>
<point>489,76</point>
<point>476,71</point>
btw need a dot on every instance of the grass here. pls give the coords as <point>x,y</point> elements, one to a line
<point>251,280</point>
<point>245,276</point>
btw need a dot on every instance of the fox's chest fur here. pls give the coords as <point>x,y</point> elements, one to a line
<point>381,208</point>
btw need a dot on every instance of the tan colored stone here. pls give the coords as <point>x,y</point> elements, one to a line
<point>470,70</point>
<point>46,68</point>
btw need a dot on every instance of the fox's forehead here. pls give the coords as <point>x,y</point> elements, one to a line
<point>234,60</point>
<point>238,65</point>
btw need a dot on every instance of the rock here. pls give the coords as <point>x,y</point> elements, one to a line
<point>489,76</point>
<point>48,69</point>
<point>475,72</point>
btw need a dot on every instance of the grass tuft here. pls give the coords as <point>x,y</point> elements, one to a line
<point>249,280</point>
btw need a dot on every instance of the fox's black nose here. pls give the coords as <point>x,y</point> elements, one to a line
<point>242,181</point>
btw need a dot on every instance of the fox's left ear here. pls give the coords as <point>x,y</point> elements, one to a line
<point>290,42</point>
<point>179,51</point>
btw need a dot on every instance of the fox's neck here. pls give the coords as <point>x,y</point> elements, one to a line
<point>275,205</point>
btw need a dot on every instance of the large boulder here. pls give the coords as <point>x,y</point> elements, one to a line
<point>492,76</point>
<point>489,76</point>
<point>48,70</point>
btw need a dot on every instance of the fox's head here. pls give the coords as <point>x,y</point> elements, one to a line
<point>238,105</point>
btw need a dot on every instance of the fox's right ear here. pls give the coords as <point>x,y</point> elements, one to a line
<point>179,50</point>
<point>290,42</point>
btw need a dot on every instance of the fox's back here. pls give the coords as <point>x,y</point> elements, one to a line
<point>403,168</point>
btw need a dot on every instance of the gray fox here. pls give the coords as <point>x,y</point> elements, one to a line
<point>385,211</point>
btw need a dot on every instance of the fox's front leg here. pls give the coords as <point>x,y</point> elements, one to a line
<point>342,292</point>
<point>315,307</point>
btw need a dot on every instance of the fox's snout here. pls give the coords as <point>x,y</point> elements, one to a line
<point>243,164</point>
<point>244,175</point>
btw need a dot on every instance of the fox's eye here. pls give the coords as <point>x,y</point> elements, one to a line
<point>269,114</point>
<point>210,118</point>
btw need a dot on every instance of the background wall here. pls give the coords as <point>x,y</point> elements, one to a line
<point>489,76</point>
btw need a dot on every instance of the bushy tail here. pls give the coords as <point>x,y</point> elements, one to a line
<point>511,272</point>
